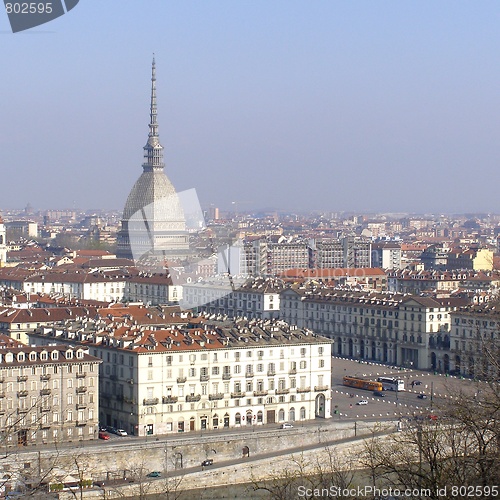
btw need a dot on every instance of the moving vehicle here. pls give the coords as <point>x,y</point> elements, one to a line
<point>379,394</point>
<point>118,432</point>
<point>208,461</point>
<point>422,396</point>
<point>417,382</point>
<point>286,425</point>
<point>103,435</point>
<point>362,402</point>
<point>361,383</point>
<point>392,383</point>
<point>155,473</point>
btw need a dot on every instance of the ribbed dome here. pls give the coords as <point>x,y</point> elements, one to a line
<point>154,192</point>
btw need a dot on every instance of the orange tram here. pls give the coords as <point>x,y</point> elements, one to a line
<point>361,383</point>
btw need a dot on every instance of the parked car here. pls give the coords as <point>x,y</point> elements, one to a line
<point>286,425</point>
<point>208,461</point>
<point>121,432</point>
<point>103,435</point>
<point>422,396</point>
<point>379,394</point>
<point>111,429</point>
<point>362,402</point>
<point>155,473</point>
<point>417,382</point>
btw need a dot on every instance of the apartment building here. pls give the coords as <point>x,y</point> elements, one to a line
<point>152,289</point>
<point>386,255</point>
<point>391,328</point>
<point>408,281</point>
<point>257,298</point>
<point>445,257</point>
<point>207,374</point>
<point>48,395</point>
<point>86,285</point>
<point>346,252</point>
<point>472,346</point>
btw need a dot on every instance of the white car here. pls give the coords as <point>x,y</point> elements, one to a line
<point>121,432</point>
<point>362,402</point>
<point>286,425</point>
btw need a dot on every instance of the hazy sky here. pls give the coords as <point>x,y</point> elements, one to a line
<point>299,105</point>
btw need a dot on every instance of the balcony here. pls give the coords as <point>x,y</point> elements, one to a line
<point>271,373</point>
<point>2,394</point>
<point>213,397</point>
<point>226,376</point>
<point>204,378</point>
<point>22,378</point>
<point>260,393</point>
<point>150,401</point>
<point>128,400</point>
<point>192,398</point>
<point>22,394</point>
<point>81,389</point>
<point>45,392</point>
<point>81,375</point>
<point>293,371</point>
<point>44,409</point>
<point>181,380</point>
<point>22,410</point>
<point>237,394</point>
<point>249,374</point>
<point>168,400</point>
<point>282,391</point>
<point>321,388</point>
<point>81,423</point>
<point>81,406</point>
<point>303,389</point>
<point>45,425</point>
<point>114,377</point>
<point>45,376</point>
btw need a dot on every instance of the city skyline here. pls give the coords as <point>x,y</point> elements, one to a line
<point>293,106</point>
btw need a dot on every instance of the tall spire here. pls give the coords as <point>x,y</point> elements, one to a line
<point>153,150</point>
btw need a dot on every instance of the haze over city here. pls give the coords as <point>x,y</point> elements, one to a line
<point>292,105</point>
